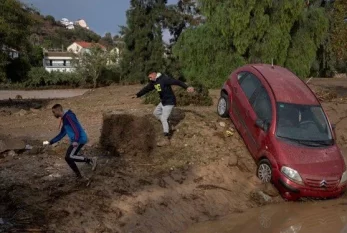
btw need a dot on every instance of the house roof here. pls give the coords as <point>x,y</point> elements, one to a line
<point>88,45</point>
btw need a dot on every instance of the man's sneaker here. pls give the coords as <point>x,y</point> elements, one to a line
<point>164,142</point>
<point>93,163</point>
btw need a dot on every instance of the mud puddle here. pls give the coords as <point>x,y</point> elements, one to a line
<point>311,217</point>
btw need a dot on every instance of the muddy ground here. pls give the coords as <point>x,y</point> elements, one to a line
<point>203,175</point>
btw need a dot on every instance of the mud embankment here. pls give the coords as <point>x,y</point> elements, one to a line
<point>165,190</point>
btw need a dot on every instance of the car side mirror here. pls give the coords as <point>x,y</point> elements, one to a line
<point>264,125</point>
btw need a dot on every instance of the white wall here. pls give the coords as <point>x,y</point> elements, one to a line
<point>58,64</point>
<point>50,69</point>
<point>74,48</point>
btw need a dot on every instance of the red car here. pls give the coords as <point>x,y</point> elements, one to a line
<point>286,130</point>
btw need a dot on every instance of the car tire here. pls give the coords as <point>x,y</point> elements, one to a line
<point>264,171</point>
<point>223,106</point>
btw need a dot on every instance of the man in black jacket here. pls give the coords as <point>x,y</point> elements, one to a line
<point>162,84</point>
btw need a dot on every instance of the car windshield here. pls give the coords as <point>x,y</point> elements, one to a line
<point>305,124</point>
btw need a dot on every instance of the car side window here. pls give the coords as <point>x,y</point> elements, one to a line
<point>262,105</point>
<point>249,83</point>
<point>241,75</point>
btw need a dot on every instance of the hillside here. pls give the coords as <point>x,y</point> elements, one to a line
<point>50,33</point>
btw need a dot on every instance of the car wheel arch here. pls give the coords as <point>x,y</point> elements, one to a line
<point>269,157</point>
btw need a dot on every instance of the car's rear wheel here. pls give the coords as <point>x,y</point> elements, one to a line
<point>223,106</point>
<point>264,171</point>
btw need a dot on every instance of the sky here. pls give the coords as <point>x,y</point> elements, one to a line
<point>101,15</point>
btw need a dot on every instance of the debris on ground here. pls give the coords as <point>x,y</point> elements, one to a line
<point>127,133</point>
<point>326,95</point>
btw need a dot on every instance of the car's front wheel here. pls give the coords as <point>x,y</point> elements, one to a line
<point>264,171</point>
<point>223,106</point>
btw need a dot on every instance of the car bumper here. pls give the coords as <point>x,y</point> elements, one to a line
<point>292,191</point>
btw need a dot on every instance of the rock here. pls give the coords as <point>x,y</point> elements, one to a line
<point>229,133</point>
<point>11,153</point>
<point>21,112</point>
<point>266,197</point>
<point>222,124</point>
<point>232,160</point>
<point>270,190</point>
<point>260,197</point>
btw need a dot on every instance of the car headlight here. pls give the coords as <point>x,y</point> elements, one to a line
<point>344,178</point>
<point>291,174</point>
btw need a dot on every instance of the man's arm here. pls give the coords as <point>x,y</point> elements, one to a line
<point>172,81</point>
<point>145,90</point>
<point>59,136</point>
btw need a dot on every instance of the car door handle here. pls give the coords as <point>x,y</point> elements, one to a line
<point>247,113</point>
<point>235,89</point>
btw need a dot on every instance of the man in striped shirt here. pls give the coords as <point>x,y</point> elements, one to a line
<point>77,135</point>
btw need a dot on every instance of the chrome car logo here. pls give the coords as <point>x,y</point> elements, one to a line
<point>323,184</point>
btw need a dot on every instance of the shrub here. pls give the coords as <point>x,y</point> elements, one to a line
<point>38,76</point>
<point>109,75</point>
<point>201,96</point>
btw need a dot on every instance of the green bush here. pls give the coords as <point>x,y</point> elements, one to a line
<point>200,97</point>
<point>39,77</point>
<point>109,76</point>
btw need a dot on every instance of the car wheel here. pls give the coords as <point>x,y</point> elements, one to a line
<point>264,171</point>
<point>223,106</point>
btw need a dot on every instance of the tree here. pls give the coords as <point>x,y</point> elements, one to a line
<point>50,19</point>
<point>91,63</point>
<point>339,34</point>
<point>144,48</point>
<point>107,40</point>
<point>181,15</point>
<point>14,31</point>
<point>255,31</point>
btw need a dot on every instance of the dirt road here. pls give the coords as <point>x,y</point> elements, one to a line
<point>41,94</point>
<point>203,176</point>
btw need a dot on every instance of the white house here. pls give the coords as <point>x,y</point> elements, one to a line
<point>12,53</point>
<point>82,46</point>
<point>58,61</point>
<point>82,23</point>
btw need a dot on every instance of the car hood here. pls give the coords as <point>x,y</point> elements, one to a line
<point>321,161</point>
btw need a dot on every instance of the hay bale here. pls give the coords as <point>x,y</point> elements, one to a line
<point>128,134</point>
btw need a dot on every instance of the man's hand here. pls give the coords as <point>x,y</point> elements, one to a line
<point>190,89</point>
<point>75,144</point>
<point>45,143</point>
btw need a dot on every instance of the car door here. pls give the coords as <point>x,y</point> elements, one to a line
<point>243,89</point>
<point>262,110</point>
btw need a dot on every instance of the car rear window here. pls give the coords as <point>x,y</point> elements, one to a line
<point>249,83</point>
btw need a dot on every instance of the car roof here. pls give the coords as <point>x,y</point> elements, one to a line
<point>286,86</point>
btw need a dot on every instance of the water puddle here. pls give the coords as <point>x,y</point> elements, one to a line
<point>310,217</point>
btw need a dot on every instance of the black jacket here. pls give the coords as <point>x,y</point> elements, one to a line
<point>163,86</point>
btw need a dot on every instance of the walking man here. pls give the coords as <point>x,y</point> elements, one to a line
<point>77,135</point>
<point>162,84</point>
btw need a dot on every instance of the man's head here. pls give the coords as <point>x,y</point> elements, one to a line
<point>57,110</point>
<point>152,76</point>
